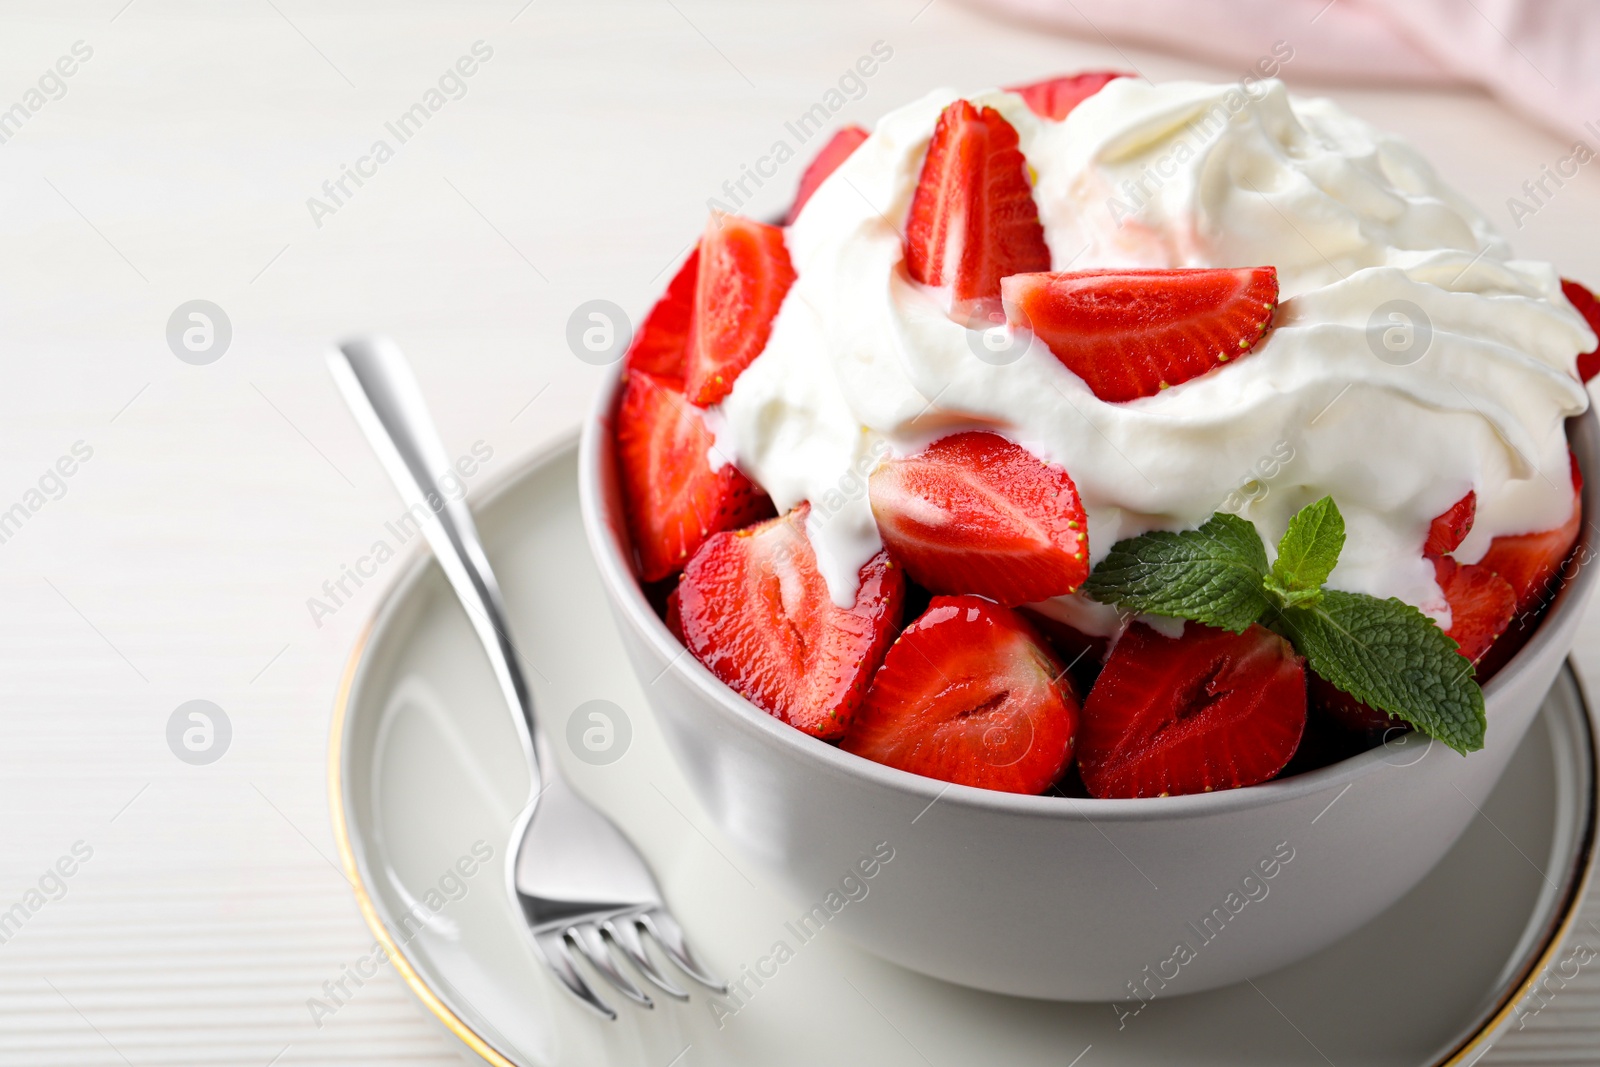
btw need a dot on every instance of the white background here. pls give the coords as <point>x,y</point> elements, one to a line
<point>219,498</point>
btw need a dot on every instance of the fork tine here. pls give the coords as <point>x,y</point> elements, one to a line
<point>552,945</point>
<point>586,937</point>
<point>626,936</point>
<point>669,935</point>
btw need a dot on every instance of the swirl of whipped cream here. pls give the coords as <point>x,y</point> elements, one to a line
<point>864,363</point>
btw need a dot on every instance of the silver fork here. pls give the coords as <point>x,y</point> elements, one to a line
<point>581,886</point>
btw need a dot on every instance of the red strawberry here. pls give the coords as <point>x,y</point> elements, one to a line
<point>1446,532</point>
<point>1347,712</point>
<point>969,694</point>
<point>1056,97</point>
<point>756,611</point>
<point>1327,740</point>
<point>1209,710</point>
<point>973,220</point>
<point>661,342</point>
<point>744,274</point>
<point>1132,333</point>
<point>974,513</point>
<point>1589,308</point>
<point>1530,561</point>
<point>674,615</point>
<point>673,499</point>
<point>836,151</point>
<point>1481,604</point>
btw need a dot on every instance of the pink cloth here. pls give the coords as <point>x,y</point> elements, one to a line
<point>1541,57</point>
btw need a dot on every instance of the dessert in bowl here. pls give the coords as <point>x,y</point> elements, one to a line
<point>1096,487</point>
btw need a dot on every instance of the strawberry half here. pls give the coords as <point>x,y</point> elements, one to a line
<point>836,151</point>
<point>973,220</point>
<point>1132,333</point>
<point>1481,604</point>
<point>969,694</point>
<point>1530,561</point>
<point>663,340</point>
<point>756,611</point>
<point>1582,299</point>
<point>1055,98</point>
<point>673,499</point>
<point>1447,531</point>
<point>744,275</point>
<point>974,513</point>
<point>1209,710</point>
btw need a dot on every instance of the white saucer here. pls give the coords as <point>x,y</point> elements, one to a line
<point>426,779</point>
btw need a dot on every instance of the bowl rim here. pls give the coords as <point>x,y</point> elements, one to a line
<point>604,532</point>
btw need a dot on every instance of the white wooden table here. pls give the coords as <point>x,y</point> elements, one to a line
<point>177,561</point>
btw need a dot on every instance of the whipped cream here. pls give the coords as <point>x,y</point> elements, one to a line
<point>863,363</point>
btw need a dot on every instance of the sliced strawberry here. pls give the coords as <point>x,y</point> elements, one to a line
<point>969,694</point>
<point>974,513</point>
<point>674,615</point>
<point>756,611</point>
<point>1346,712</point>
<point>1132,333</point>
<point>836,151</point>
<point>744,274</point>
<point>1589,308</point>
<point>661,343</point>
<point>1055,98</point>
<point>1481,604</point>
<point>673,499</point>
<point>973,220</point>
<point>1447,531</point>
<point>1209,710</point>
<point>1530,561</point>
<point>1327,739</point>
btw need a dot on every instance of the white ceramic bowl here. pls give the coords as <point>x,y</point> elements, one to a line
<point>1061,898</point>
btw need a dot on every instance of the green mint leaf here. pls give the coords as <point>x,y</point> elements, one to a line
<point>1391,656</point>
<point>1308,552</point>
<point>1213,575</point>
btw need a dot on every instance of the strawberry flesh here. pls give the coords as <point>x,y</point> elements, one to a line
<point>744,275</point>
<point>756,611</point>
<point>1348,713</point>
<point>674,616</point>
<point>1481,604</point>
<point>1582,299</point>
<point>662,342</point>
<point>970,694</point>
<point>1208,710</point>
<point>1447,531</point>
<point>1530,561</point>
<point>672,497</point>
<point>973,220</point>
<point>1132,333</point>
<point>1055,98</point>
<point>838,149</point>
<point>974,513</point>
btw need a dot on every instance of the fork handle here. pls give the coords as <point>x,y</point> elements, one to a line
<point>383,393</point>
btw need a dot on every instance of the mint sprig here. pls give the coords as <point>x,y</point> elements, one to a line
<point>1307,554</point>
<point>1213,575</point>
<point>1384,653</point>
